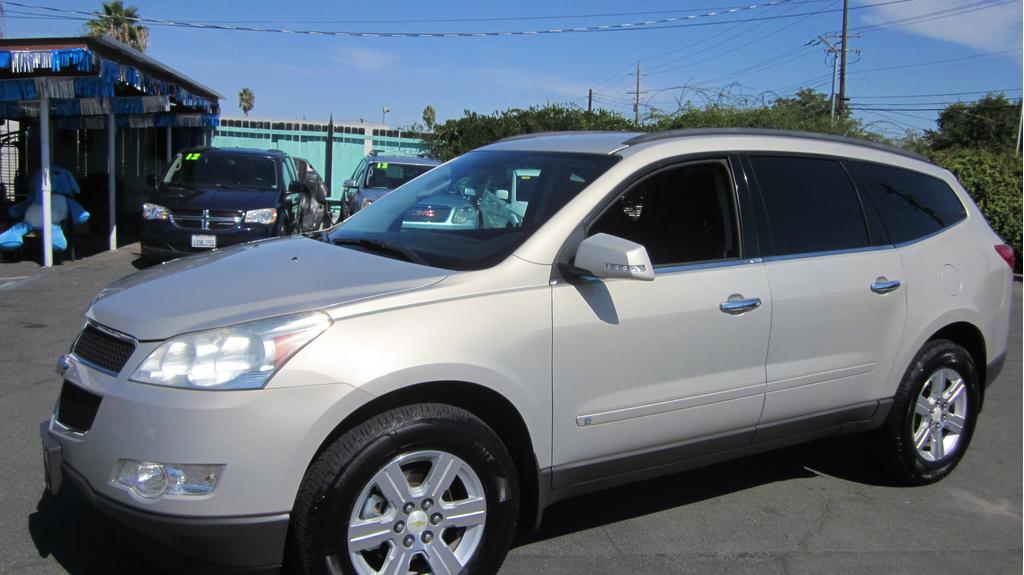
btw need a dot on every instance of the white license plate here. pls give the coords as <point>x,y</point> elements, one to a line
<point>199,241</point>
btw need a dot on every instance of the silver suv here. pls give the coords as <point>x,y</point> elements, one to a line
<point>400,398</point>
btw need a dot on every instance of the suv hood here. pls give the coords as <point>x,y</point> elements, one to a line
<point>213,198</point>
<point>248,282</point>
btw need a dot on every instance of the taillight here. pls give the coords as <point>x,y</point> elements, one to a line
<point>1006,252</point>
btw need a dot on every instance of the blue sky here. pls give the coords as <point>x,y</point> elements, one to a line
<point>297,76</point>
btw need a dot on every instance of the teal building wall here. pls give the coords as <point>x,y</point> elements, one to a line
<point>308,139</point>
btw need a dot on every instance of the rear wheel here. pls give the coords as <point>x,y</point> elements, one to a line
<point>427,488</point>
<point>933,414</point>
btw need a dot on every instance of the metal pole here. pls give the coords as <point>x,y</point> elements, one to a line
<point>169,152</point>
<point>590,100</point>
<point>1017,149</point>
<point>111,179</point>
<point>842,70</point>
<point>636,101</point>
<point>833,96</point>
<point>44,175</point>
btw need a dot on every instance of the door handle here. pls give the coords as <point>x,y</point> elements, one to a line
<point>738,306</point>
<point>884,286</point>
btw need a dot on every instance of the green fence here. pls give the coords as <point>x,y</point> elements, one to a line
<point>308,140</point>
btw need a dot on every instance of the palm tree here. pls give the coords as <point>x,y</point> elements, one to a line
<point>246,100</point>
<point>429,117</point>
<point>122,24</point>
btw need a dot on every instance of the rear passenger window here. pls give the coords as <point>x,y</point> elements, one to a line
<point>910,204</point>
<point>680,215</point>
<point>812,206</point>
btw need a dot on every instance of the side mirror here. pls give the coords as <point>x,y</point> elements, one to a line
<point>501,195</point>
<point>607,256</point>
<point>296,187</point>
<point>349,183</point>
<point>151,180</point>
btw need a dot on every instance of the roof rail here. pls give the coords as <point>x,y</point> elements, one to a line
<point>562,133</point>
<point>696,132</point>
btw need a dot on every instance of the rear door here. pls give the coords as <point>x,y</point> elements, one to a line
<point>839,305</point>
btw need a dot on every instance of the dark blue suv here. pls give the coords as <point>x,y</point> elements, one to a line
<point>215,197</point>
<point>378,174</point>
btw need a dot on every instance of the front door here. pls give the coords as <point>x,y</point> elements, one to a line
<point>644,372</point>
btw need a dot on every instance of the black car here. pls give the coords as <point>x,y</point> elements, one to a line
<point>215,197</point>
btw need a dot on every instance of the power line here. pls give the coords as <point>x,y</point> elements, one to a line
<point>937,15</point>
<point>495,18</point>
<point>945,61</point>
<point>744,45</point>
<point>994,90</point>
<point>664,23</point>
<point>729,37</point>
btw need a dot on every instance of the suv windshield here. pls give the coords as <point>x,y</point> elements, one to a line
<point>223,169</point>
<point>459,215</point>
<point>389,175</point>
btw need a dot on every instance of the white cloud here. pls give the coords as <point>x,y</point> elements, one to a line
<point>992,29</point>
<point>363,59</point>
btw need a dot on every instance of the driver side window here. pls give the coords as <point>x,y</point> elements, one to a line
<point>681,215</point>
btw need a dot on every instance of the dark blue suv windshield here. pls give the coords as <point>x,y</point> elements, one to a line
<point>225,169</point>
<point>469,213</point>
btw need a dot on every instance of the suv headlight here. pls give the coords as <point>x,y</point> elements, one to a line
<point>155,212</point>
<point>464,214</point>
<point>263,216</point>
<point>241,356</point>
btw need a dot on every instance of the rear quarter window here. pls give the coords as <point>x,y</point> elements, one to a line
<point>811,203</point>
<point>910,204</point>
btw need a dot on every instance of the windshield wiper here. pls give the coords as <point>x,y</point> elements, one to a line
<point>383,246</point>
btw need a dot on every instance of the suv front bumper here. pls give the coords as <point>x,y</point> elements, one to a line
<point>249,543</point>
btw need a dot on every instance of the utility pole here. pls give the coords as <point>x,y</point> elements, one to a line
<point>837,54</point>
<point>842,66</point>
<point>636,99</point>
<point>590,100</point>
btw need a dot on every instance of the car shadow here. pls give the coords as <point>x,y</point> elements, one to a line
<point>850,458</point>
<point>84,541</point>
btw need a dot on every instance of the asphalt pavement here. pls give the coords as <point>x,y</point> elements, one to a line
<point>816,508</point>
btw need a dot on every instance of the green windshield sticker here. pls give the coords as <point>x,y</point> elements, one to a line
<point>192,156</point>
<point>382,165</point>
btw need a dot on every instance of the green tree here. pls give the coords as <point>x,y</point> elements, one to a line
<point>121,23</point>
<point>993,180</point>
<point>429,117</point>
<point>807,111</point>
<point>246,100</point>
<point>991,123</point>
<point>460,135</point>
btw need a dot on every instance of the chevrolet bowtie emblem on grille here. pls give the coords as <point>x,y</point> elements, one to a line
<point>63,364</point>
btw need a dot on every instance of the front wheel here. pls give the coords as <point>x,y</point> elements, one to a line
<point>933,415</point>
<point>427,488</point>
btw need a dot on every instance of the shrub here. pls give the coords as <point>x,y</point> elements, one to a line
<point>993,180</point>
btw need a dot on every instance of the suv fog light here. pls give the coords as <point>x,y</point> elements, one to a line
<point>150,480</point>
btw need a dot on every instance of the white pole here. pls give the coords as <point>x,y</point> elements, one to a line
<point>1021,129</point>
<point>111,178</point>
<point>44,160</point>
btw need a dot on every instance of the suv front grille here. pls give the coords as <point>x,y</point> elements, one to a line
<point>77,408</point>
<point>207,219</point>
<point>103,349</point>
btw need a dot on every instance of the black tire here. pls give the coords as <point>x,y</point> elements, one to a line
<point>337,477</point>
<point>901,458</point>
